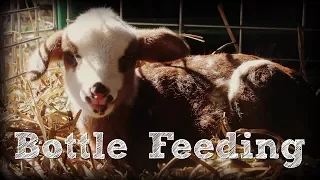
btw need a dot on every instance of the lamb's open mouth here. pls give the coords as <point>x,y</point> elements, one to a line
<point>99,108</point>
<point>99,105</point>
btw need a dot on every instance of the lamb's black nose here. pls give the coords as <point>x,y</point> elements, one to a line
<point>99,90</point>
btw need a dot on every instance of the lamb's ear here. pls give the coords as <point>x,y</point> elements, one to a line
<point>161,45</point>
<point>47,52</point>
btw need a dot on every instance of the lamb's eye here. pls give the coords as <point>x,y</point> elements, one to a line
<point>126,62</point>
<point>77,56</point>
<point>71,59</point>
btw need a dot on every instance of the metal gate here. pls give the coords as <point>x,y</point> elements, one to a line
<point>61,17</point>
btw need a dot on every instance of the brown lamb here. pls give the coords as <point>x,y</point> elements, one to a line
<point>173,91</point>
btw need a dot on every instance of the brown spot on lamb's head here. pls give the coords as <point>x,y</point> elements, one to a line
<point>100,51</point>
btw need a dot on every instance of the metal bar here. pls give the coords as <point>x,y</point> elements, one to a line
<point>22,42</point>
<point>121,10</point>
<point>13,38</point>
<point>55,17</point>
<point>18,11</point>
<point>217,26</point>
<point>68,12</point>
<point>247,27</point>
<point>36,19</point>
<point>8,33</point>
<point>180,16</point>
<point>303,13</point>
<point>2,66</point>
<point>54,14</point>
<point>301,48</point>
<point>61,14</point>
<point>21,63</point>
<point>240,30</point>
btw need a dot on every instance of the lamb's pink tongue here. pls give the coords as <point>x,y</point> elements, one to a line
<point>101,101</point>
<point>94,101</point>
<point>98,103</point>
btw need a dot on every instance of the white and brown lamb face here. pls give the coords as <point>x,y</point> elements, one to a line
<point>100,52</point>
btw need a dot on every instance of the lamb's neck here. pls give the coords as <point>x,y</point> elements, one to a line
<point>113,126</point>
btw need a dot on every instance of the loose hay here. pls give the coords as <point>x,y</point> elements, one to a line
<point>42,107</point>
